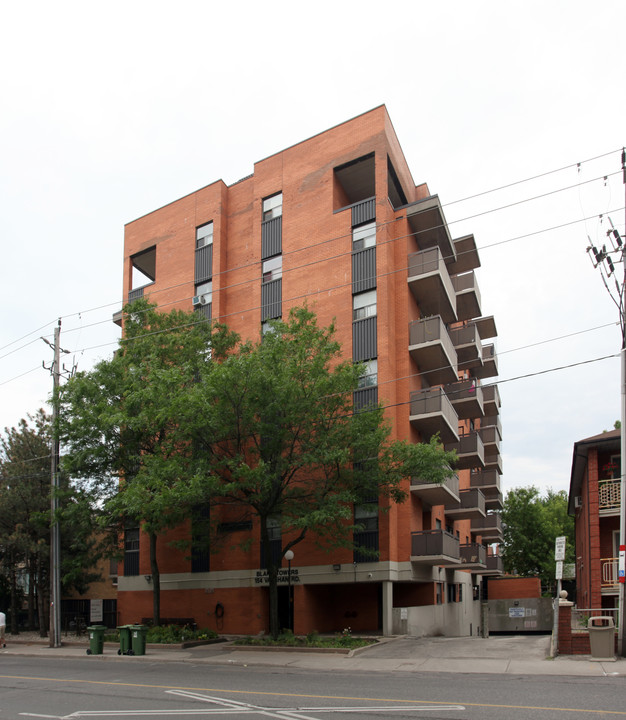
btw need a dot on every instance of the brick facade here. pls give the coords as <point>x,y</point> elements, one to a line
<point>321,180</point>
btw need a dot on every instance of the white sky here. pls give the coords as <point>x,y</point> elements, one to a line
<point>108,111</point>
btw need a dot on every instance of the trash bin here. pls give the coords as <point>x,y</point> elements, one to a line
<point>125,644</point>
<point>138,635</point>
<point>602,636</point>
<point>96,639</point>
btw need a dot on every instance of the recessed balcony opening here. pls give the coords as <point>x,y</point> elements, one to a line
<point>143,268</point>
<point>395,193</point>
<point>355,181</point>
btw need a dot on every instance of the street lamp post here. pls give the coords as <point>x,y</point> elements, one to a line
<point>289,558</point>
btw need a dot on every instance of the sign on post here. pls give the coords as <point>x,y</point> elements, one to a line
<point>559,548</point>
<point>559,570</point>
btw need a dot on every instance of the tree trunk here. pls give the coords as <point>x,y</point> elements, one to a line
<point>31,597</point>
<point>156,581</point>
<point>272,578</point>
<point>14,596</point>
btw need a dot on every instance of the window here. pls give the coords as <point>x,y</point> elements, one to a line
<point>131,551</point>
<point>204,235</point>
<point>273,268</point>
<point>267,326</point>
<point>364,305</point>
<point>439,593</point>
<point>370,376</point>
<point>204,293</point>
<point>367,517</point>
<point>273,207</point>
<point>364,236</point>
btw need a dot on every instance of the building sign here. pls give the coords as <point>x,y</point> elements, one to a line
<point>622,563</point>
<point>516,612</point>
<point>95,611</point>
<point>262,577</point>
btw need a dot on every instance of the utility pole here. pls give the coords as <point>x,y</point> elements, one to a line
<point>602,259</point>
<point>55,534</point>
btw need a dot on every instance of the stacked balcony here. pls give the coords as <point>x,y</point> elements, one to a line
<point>435,547</point>
<point>491,396</point>
<point>469,450</point>
<point>469,349</point>
<point>471,507</point>
<point>488,482</point>
<point>445,493</point>
<point>486,327</point>
<point>467,398</point>
<point>491,435</point>
<point>432,412</point>
<point>489,527</point>
<point>467,296</point>
<point>495,566</point>
<point>473,556</point>
<point>429,226</point>
<point>489,367</point>
<point>431,347</point>
<point>466,256</point>
<point>430,284</point>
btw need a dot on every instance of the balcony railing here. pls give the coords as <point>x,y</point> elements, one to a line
<point>473,554</point>
<point>430,284</point>
<point>431,412</point>
<point>610,574</point>
<point>487,480</point>
<point>489,368</point>
<point>466,341</point>
<point>467,398</point>
<point>491,395</point>
<point>495,564</point>
<point>489,527</point>
<point>472,505</point>
<point>445,493</point>
<point>609,495</point>
<point>431,347</point>
<point>434,547</point>
<point>467,296</point>
<point>470,451</point>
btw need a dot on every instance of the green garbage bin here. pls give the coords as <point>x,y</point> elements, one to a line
<point>96,639</point>
<point>138,637</point>
<point>125,643</point>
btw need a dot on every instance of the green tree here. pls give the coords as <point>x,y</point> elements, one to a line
<point>278,441</point>
<point>25,520</point>
<point>531,523</point>
<point>118,426</point>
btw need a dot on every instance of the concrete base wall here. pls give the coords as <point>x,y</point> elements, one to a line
<point>450,620</point>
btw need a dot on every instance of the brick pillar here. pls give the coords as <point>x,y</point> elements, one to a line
<point>565,628</point>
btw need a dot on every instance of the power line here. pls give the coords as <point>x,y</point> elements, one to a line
<point>603,177</point>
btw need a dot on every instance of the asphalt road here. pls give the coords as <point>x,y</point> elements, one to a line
<point>92,687</point>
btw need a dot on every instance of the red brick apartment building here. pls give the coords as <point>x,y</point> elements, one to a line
<point>594,500</point>
<point>337,221</point>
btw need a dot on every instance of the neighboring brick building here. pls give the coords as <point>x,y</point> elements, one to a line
<point>338,221</point>
<point>594,501</point>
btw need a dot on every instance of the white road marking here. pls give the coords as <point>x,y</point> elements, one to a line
<point>224,706</point>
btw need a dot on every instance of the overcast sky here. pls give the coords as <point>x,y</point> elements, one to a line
<point>108,111</point>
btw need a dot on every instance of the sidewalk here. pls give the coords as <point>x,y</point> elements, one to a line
<point>502,655</point>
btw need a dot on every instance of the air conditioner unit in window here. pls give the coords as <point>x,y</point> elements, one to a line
<point>198,300</point>
<point>578,501</point>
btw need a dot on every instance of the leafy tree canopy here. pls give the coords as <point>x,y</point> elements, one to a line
<point>278,439</point>
<point>531,524</point>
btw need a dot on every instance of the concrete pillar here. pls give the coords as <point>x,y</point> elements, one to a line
<point>387,607</point>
